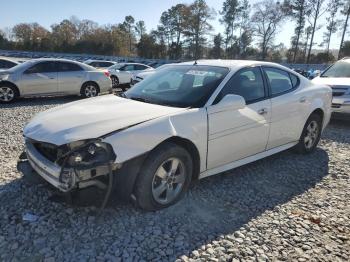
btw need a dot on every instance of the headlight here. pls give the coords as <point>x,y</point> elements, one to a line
<point>90,154</point>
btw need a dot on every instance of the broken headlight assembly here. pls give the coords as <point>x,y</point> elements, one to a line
<point>84,155</point>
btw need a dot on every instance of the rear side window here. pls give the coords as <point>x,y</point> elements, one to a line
<point>106,64</point>
<point>295,80</point>
<point>140,67</point>
<point>42,67</point>
<point>127,68</point>
<point>280,81</point>
<point>68,67</point>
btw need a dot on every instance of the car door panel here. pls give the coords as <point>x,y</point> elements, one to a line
<point>36,81</point>
<point>236,134</point>
<point>70,78</point>
<point>287,115</point>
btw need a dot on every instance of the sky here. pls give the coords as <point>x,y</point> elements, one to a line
<point>47,12</point>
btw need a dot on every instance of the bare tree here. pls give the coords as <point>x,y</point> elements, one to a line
<point>266,19</point>
<point>317,10</point>
<point>346,12</point>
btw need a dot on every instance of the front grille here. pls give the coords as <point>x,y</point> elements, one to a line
<point>49,151</point>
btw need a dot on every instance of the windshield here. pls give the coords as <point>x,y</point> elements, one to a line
<point>21,66</point>
<point>179,85</point>
<point>339,69</point>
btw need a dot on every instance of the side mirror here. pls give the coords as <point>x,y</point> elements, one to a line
<point>228,103</point>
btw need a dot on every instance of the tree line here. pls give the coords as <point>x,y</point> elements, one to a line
<point>185,31</point>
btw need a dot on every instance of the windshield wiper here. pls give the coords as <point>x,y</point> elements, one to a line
<point>141,99</point>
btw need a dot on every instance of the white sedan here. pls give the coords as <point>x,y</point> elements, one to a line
<point>122,73</point>
<point>42,77</point>
<point>185,122</point>
<point>337,76</point>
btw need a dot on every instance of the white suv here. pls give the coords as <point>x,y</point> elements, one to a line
<point>337,76</point>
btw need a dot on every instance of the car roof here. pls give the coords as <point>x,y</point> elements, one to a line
<point>232,64</point>
<point>10,60</point>
<point>96,60</point>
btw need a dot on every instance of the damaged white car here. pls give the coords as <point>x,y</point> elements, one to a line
<point>185,122</point>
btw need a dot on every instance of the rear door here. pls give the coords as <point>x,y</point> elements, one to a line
<point>70,77</point>
<point>288,106</point>
<point>40,78</point>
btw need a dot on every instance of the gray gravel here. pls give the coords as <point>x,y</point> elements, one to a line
<point>286,207</point>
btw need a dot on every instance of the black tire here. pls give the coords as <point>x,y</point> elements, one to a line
<point>89,89</point>
<point>147,177</point>
<point>8,93</point>
<point>115,81</point>
<point>304,147</point>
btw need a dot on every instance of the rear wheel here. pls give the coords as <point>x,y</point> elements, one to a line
<point>8,94</point>
<point>164,178</point>
<point>89,90</point>
<point>311,135</point>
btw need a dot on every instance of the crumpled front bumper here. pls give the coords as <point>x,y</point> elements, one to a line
<point>52,172</point>
<point>44,167</point>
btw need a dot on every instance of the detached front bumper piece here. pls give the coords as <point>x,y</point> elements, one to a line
<point>66,179</point>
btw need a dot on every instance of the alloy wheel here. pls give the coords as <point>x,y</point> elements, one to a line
<point>168,181</point>
<point>311,136</point>
<point>90,91</point>
<point>6,94</point>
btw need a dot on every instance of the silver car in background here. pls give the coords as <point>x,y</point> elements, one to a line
<point>42,77</point>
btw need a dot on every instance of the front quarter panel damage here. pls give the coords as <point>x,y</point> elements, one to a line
<point>140,139</point>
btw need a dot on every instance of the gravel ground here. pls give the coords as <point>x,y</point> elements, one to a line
<point>286,207</point>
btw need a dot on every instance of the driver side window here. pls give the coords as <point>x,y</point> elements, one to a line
<point>247,83</point>
<point>42,67</point>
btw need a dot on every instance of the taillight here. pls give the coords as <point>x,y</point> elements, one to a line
<point>107,74</point>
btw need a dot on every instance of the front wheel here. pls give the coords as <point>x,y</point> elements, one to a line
<point>164,177</point>
<point>311,135</point>
<point>8,94</point>
<point>89,90</point>
<point>115,81</point>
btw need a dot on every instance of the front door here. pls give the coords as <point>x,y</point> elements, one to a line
<point>40,78</point>
<point>236,134</point>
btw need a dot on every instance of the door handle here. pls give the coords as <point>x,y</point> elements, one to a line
<point>302,100</point>
<point>262,111</point>
<point>52,78</point>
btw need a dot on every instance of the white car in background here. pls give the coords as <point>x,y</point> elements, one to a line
<point>101,64</point>
<point>185,122</point>
<point>42,77</point>
<point>136,78</point>
<point>122,73</point>
<point>337,76</point>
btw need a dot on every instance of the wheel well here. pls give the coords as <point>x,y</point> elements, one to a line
<point>7,83</point>
<point>318,112</point>
<point>90,82</point>
<point>191,148</point>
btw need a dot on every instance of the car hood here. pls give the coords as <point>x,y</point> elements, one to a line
<point>332,81</point>
<point>92,118</point>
